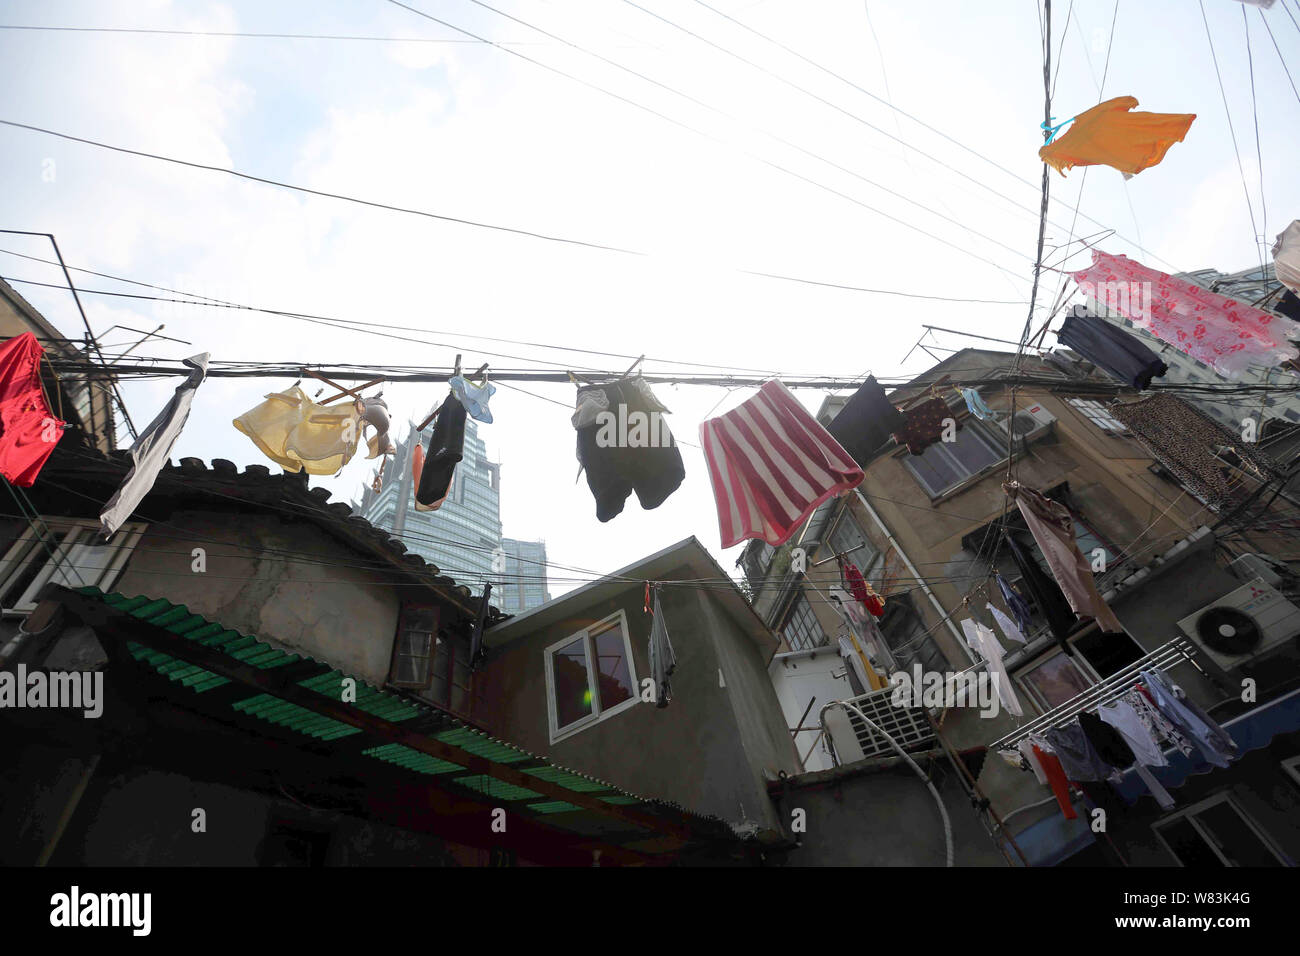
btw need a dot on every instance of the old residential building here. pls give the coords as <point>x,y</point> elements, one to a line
<point>282,684</point>
<point>927,531</point>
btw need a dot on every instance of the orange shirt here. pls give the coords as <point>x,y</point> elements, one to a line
<point>1109,135</point>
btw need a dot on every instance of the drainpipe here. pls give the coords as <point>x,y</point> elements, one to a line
<point>944,615</point>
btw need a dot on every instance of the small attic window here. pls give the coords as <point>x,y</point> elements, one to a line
<point>413,650</point>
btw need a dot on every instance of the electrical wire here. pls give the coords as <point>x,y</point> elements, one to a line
<point>863,90</point>
<point>268,36</point>
<point>698,132</point>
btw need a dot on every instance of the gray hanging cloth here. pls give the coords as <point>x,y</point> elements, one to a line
<point>662,659</point>
<point>1111,349</point>
<point>152,449</point>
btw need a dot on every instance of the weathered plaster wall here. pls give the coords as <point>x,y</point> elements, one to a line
<point>286,582</point>
<point>704,751</point>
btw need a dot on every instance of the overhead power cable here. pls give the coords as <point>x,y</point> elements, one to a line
<point>698,132</point>
<point>455,219</point>
<point>956,142</point>
<point>723,113</point>
<point>269,36</point>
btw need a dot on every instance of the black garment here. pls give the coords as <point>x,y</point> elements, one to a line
<point>1111,349</point>
<point>1046,593</point>
<point>446,448</point>
<point>1289,305</point>
<point>1103,794</point>
<point>1107,741</point>
<point>866,421</point>
<point>615,470</point>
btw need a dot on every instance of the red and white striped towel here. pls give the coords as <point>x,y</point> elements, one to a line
<point>771,465</point>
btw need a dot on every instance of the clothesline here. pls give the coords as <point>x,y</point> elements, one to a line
<point>1166,657</point>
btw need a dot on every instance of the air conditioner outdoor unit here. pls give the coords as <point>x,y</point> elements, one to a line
<point>1030,422</point>
<point>1243,624</point>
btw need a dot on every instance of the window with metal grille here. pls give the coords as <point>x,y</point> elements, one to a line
<point>1217,833</point>
<point>417,630</point>
<point>60,551</point>
<point>802,630</point>
<point>1097,414</point>
<point>849,539</point>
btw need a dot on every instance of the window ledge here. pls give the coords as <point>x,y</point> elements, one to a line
<point>588,722</point>
<point>967,484</point>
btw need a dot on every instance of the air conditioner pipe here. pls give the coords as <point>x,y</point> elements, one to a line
<point>875,728</point>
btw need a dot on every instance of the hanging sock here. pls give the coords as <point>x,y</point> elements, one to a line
<point>1286,256</point>
<point>1111,349</point>
<point>625,445</point>
<point>866,421</point>
<point>1015,603</point>
<point>1053,529</point>
<point>474,397</point>
<point>1221,332</point>
<point>923,425</point>
<point>1184,440</point>
<point>975,404</point>
<point>662,659</point>
<point>446,449</point>
<point>299,435</point>
<point>1110,135</point>
<point>153,447</point>
<point>771,464</point>
<point>29,429</point>
<point>1007,625</point>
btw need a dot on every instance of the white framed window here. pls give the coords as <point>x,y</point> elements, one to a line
<point>1217,833</point>
<point>71,552</point>
<point>590,676</point>
<point>1097,414</point>
<point>802,631</point>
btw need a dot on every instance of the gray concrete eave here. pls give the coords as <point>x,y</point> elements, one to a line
<point>685,560</point>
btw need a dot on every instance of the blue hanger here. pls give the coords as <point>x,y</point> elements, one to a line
<point>1051,130</point>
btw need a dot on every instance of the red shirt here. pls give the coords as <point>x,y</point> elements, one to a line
<point>29,430</point>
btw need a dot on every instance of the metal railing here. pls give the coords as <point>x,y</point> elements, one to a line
<point>1165,657</point>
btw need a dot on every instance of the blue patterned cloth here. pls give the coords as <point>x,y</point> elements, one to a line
<point>473,397</point>
<point>975,402</point>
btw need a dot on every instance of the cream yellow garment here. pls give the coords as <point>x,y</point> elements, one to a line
<point>299,435</point>
<point>1109,135</point>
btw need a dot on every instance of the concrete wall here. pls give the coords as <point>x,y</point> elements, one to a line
<point>883,815</point>
<point>706,750</point>
<point>1113,488</point>
<point>322,607</point>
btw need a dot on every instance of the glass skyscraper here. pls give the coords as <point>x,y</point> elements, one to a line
<point>463,537</point>
<point>523,585</point>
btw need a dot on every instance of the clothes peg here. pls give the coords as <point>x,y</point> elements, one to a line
<point>633,366</point>
<point>432,415</point>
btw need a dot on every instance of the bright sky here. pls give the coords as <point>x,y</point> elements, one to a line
<point>468,130</point>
